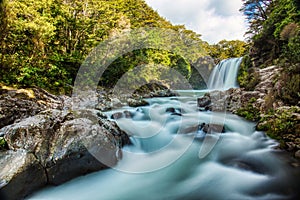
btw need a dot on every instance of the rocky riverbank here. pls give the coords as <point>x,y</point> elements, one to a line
<point>279,120</point>
<point>45,141</point>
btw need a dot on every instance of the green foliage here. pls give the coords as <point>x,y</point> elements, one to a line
<point>256,12</point>
<point>249,112</point>
<point>278,35</point>
<point>247,78</point>
<point>43,43</point>
<point>152,62</point>
<point>276,41</point>
<point>280,122</point>
<point>3,144</point>
<point>228,49</point>
<point>291,51</point>
<point>289,90</point>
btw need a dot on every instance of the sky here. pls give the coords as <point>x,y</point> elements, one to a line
<point>213,19</point>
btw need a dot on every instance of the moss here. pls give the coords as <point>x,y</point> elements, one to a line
<point>280,123</point>
<point>249,112</point>
<point>3,144</point>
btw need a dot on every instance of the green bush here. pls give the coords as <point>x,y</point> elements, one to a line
<point>280,122</point>
<point>247,78</point>
<point>3,144</point>
<point>249,112</point>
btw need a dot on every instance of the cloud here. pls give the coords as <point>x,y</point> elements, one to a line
<point>225,8</point>
<point>213,19</point>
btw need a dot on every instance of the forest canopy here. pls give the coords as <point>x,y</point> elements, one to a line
<point>43,43</point>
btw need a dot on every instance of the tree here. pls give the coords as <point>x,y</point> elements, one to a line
<point>3,28</point>
<point>228,49</point>
<point>256,12</point>
<point>276,41</point>
<point>43,43</point>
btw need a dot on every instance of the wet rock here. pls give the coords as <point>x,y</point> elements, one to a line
<point>162,93</point>
<point>204,101</point>
<point>189,129</point>
<point>174,111</point>
<point>152,87</point>
<point>212,128</point>
<point>65,144</point>
<point>217,101</point>
<point>21,174</point>
<point>117,115</point>
<point>137,102</point>
<point>171,110</point>
<point>127,114</point>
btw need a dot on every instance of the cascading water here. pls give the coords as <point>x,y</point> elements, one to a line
<point>164,161</point>
<point>224,75</point>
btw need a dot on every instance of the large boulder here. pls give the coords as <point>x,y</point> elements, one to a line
<point>21,173</point>
<point>205,101</point>
<point>59,145</point>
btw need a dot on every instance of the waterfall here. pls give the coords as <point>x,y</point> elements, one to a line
<point>224,75</point>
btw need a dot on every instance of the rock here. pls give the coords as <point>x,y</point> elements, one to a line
<point>137,103</point>
<point>206,128</point>
<point>152,87</point>
<point>290,146</point>
<point>162,93</point>
<point>205,65</point>
<point>117,115</point>
<point>127,114</point>
<point>297,154</point>
<point>212,128</point>
<point>21,174</point>
<point>189,129</point>
<point>174,111</point>
<point>204,101</point>
<point>116,103</point>
<point>171,110</point>
<point>65,144</point>
<point>18,104</point>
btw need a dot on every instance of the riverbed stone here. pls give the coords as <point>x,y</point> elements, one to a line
<point>212,128</point>
<point>204,101</point>
<point>65,144</point>
<point>21,174</point>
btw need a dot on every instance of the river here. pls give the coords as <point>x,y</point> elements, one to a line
<point>171,157</point>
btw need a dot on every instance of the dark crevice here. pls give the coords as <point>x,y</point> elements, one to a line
<point>44,168</point>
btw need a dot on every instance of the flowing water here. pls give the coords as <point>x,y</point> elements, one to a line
<point>172,158</point>
<point>224,75</point>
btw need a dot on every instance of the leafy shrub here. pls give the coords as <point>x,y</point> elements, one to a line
<point>280,122</point>
<point>249,112</point>
<point>289,91</point>
<point>3,144</point>
<point>247,78</point>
